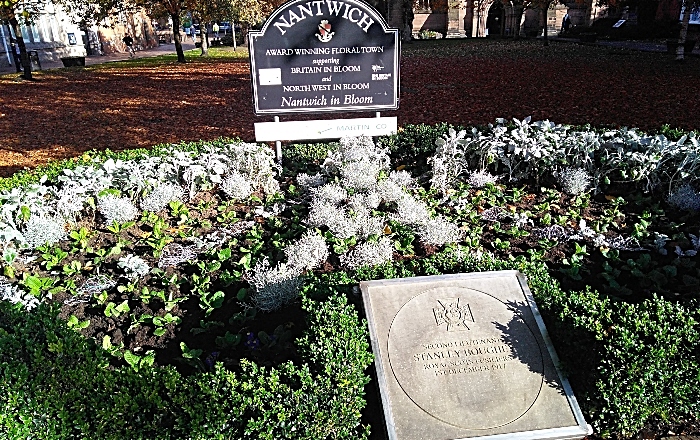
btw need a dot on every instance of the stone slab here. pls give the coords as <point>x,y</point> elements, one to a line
<point>467,356</point>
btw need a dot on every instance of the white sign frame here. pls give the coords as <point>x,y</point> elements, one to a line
<point>324,129</point>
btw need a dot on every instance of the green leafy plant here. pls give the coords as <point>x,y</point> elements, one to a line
<point>81,238</point>
<point>139,362</point>
<point>76,324</point>
<point>114,310</point>
<point>53,257</point>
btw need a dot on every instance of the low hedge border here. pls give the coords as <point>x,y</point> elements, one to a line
<point>55,384</point>
<point>627,364</point>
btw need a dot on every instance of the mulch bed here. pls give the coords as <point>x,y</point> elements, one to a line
<point>68,111</point>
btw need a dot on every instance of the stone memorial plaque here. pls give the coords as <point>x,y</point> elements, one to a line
<point>467,356</point>
<point>324,56</point>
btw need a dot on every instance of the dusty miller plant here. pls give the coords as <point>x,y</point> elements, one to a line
<point>161,195</point>
<point>15,295</point>
<point>42,230</point>
<point>479,179</point>
<point>307,181</point>
<point>273,287</point>
<point>237,186</point>
<point>438,231</point>
<point>574,181</point>
<point>309,252</point>
<point>449,160</point>
<point>116,209</point>
<point>685,197</point>
<point>134,266</point>
<point>370,253</point>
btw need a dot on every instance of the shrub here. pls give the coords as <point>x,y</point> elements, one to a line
<point>55,384</point>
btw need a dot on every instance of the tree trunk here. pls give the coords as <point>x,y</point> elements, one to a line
<point>244,33</point>
<point>176,35</point>
<point>24,56</point>
<point>406,31</point>
<point>545,34</point>
<point>518,13</point>
<point>683,34</point>
<point>204,38</point>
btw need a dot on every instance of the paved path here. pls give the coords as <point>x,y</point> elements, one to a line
<point>100,59</point>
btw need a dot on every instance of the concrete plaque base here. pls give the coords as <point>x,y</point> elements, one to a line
<point>467,356</point>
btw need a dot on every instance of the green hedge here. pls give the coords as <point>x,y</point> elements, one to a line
<point>626,362</point>
<point>55,384</point>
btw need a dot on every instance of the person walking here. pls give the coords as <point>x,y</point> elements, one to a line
<point>16,54</point>
<point>566,23</point>
<point>215,28</point>
<point>129,44</point>
<point>193,33</point>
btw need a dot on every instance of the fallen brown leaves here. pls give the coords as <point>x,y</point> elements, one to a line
<point>68,111</point>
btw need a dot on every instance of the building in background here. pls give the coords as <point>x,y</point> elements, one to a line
<point>54,35</point>
<point>482,18</point>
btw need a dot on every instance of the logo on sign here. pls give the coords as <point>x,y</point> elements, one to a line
<point>324,32</point>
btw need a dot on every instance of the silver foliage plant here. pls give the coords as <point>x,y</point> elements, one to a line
<point>43,230</point>
<point>134,266</point>
<point>161,195</point>
<point>449,160</point>
<point>353,150</point>
<point>15,295</point>
<point>309,252</point>
<point>585,233</point>
<point>307,181</point>
<point>92,286</point>
<point>237,186</point>
<point>66,196</point>
<point>370,253</point>
<point>439,231</point>
<point>116,209</point>
<point>273,287</point>
<point>481,178</point>
<point>530,150</point>
<point>175,253</point>
<point>574,181</point>
<point>685,197</point>
<point>365,182</point>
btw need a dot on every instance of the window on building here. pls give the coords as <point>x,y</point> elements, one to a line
<point>54,29</point>
<point>45,29</point>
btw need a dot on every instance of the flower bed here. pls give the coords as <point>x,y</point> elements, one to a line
<point>201,291</point>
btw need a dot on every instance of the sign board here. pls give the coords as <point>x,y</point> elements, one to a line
<point>324,129</point>
<point>467,356</point>
<point>324,56</point>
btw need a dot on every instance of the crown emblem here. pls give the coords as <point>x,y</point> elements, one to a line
<point>324,31</point>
